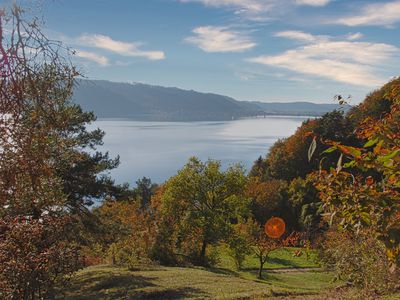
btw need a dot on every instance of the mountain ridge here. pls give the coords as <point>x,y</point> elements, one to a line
<point>146,102</point>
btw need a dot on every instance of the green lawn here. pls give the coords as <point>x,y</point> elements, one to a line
<point>223,282</point>
<point>281,258</point>
<point>106,282</point>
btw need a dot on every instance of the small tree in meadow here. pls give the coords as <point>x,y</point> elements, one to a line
<point>261,244</point>
<point>239,245</point>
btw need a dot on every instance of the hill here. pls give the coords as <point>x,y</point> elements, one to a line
<point>147,102</point>
<point>297,108</point>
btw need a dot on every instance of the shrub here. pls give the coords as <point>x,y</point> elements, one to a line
<point>360,259</point>
<point>34,256</point>
<point>239,247</point>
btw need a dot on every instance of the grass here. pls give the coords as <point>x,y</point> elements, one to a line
<point>392,297</point>
<point>107,282</point>
<point>223,282</point>
<point>278,259</point>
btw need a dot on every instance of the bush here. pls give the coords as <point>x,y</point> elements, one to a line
<point>361,260</point>
<point>34,256</point>
<point>239,246</point>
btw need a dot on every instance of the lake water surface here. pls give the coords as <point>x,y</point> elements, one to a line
<point>158,149</point>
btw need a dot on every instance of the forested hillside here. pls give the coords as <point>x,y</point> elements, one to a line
<point>147,102</point>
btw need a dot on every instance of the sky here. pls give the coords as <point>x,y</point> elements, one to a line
<point>255,50</point>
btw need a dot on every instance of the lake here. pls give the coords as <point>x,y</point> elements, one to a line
<point>158,149</point>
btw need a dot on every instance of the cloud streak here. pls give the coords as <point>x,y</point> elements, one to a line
<point>256,9</point>
<point>377,14</point>
<point>300,36</point>
<point>313,2</point>
<point>122,48</point>
<point>254,6</point>
<point>350,62</point>
<point>354,36</point>
<point>99,59</point>
<point>220,39</point>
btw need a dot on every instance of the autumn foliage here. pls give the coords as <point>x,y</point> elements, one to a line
<point>36,83</point>
<point>363,193</point>
<point>33,256</point>
<point>349,178</point>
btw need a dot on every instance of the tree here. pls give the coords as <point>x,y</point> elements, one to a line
<point>364,192</point>
<point>82,169</point>
<point>33,257</point>
<point>203,203</point>
<point>144,190</point>
<point>374,105</point>
<point>270,198</point>
<point>43,175</point>
<point>288,158</point>
<point>239,245</point>
<point>128,232</point>
<point>306,205</point>
<point>359,259</point>
<point>261,244</point>
<point>259,169</point>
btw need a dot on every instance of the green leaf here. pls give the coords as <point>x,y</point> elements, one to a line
<point>349,164</point>
<point>350,150</point>
<point>312,148</point>
<point>366,218</point>
<point>389,156</point>
<point>371,143</point>
<point>331,149</point>
<point>354,152</point>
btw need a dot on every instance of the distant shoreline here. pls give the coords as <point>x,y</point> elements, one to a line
<point>205,121</point>
<point>141,102</point>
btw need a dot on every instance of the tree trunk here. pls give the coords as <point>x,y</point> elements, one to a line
<point>260,269</point>
<point>203,252</point>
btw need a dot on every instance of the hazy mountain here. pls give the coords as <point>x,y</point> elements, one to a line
<point>146,102</point>
<point>298,108</point>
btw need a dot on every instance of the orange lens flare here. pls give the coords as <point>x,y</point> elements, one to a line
<point>275,227</point>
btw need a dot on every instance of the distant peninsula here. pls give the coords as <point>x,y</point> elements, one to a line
<point>145,102</point>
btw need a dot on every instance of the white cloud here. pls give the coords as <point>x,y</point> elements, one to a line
<point>300,36</point>
<point>100,59</point>
<point>258,10</point>
<point>355,63</point>
<point>313,2</point>
<point>220,39</point>
<point>354,36</point>
<point>383,14</point>
<point>254,6</point>
<point>122,48</point>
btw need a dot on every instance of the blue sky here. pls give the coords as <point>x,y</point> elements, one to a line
<point>265,50</point>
